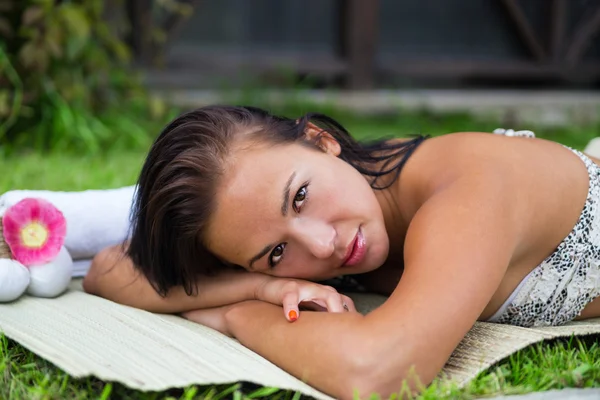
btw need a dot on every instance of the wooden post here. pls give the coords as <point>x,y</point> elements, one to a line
<point>583,37</point>
<point>358,41</point>
<point>139,13</point>
<point>559,22</point>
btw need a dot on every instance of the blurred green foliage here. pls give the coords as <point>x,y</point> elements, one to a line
<point>66,81</point>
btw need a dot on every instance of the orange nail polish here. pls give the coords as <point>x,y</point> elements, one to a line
<point>293,316</point>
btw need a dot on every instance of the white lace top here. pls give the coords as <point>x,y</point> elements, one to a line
<point>558,289</point>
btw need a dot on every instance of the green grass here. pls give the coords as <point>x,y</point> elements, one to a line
<point>23,375</point>
<point>69,172</point>
<point>556,365</point>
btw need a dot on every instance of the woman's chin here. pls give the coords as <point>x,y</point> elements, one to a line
<point>378,255</point>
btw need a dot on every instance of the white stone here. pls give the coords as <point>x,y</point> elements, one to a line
<point>51,279</point>
<point>593,148</point>
<point>14,279</point>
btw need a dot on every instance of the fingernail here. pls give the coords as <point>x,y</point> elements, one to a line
<point>293,315</point>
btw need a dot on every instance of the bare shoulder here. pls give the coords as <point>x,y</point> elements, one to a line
<point>442,159</point>
<point>547,182</point>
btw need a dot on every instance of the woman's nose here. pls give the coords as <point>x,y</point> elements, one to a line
<point>317,236</point>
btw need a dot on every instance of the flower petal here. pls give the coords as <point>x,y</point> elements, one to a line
<point>32,221</point>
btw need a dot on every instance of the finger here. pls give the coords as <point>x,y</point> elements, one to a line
<point>311,305</point>
<point>325,296</point>
<point>335,303</point>
<point>316,302</point>
<point>349,304</point>
<point>290,306</point>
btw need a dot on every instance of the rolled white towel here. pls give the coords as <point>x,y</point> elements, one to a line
<point>95,218</point>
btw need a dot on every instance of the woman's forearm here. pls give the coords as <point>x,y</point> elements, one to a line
<point>320,348</point>
<point>114,277</point>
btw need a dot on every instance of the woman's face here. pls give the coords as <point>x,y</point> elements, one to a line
<point>294,211</point>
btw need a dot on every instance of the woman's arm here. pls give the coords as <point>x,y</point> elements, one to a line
<point>457,249</point>
<point>113,276</point>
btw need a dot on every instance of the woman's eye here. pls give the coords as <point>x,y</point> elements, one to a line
<point>276,255</point>
<point>300,198</point>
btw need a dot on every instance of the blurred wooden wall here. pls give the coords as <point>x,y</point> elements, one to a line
<point>363,44</point>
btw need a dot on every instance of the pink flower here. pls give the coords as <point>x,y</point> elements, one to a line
<point>34,230</point>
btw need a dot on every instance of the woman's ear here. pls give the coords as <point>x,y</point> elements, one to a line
<point>322,139</point>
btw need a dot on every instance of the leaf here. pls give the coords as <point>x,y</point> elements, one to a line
<point>159,35</point>
<point>121,51</point>
<point>186,10</point>
<point>46,4</point>
<point>96,6</point>
<point>26,32</point>
<point>102,31</point>
<point>190,393</point>
<point>4,103</point>
<point>53,46</point>
<point>580,371</point>
<point>54,38</point>
<point>27,55</point>
<point>97,60</point>
<point>35,57</point>
<point>263,392</point>
<point>78,29</point>
<point>75,47</point>
<point>32,15</point>
<point>76,20</point>
<point>157,106</point>
<point>43,59</point>
<point>106,391</point>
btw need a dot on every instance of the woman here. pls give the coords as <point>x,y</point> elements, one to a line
<point>234,202</point>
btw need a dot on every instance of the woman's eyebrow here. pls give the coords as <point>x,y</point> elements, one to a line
<point>286,194</point>
<point>260,255</point>
<point>284,210</point>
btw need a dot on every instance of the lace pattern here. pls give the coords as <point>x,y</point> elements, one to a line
<point>566,281</point>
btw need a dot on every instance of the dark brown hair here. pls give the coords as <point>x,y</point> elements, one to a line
<point>175,194</point>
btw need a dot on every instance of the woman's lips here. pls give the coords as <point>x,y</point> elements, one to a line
<point>357,250</point>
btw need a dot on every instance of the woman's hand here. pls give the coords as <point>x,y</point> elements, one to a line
<point>290,293</point>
